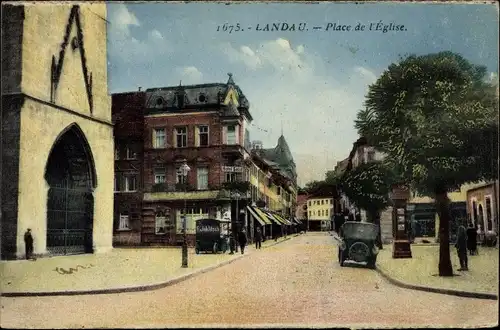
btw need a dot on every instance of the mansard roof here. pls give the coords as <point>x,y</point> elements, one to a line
<point>199,96</point>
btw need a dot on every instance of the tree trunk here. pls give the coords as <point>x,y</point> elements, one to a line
<point>442,205</point>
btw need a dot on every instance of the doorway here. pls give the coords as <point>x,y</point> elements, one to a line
<point>70,174</point>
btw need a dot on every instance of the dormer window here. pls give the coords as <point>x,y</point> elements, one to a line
<point>202,98</point>
<point>159,102</point>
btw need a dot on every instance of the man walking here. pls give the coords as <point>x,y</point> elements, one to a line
<point>242,239</point>
<point>258,238</point>
<point>28,243</point>
<point>461,246</point>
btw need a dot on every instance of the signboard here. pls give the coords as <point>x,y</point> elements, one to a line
<point>233,169</point>
<point>400,192</point>
<point>207,229</point>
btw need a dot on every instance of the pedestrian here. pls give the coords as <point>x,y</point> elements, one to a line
<point>258,238</point>
<point>242,239</point>
<point>28,243</point>
<point>471,239</point>
<point>461,246</point>
<point>232,243</point>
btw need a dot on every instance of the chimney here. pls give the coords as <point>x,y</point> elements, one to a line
<point>140,88</point>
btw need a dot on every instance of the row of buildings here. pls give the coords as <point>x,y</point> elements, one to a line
<point>477,202</point>
<point>205,126</point>
<point>85,171</point>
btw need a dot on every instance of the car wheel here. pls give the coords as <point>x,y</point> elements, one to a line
<point>215,248</point>
<point>197,250</point>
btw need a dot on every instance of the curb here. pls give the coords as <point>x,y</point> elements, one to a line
<point>148,287</point>
<point>465,294</point>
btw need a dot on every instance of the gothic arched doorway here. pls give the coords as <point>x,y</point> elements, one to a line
<point>70,174</point>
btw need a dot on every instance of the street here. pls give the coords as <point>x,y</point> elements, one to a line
<point>296,283</point>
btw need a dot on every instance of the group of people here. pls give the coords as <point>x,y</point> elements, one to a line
<point>466,241</point>
<point>241,241</point>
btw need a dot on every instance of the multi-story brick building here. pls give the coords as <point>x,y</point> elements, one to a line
<point>203,126</point>
<point>128,119</point>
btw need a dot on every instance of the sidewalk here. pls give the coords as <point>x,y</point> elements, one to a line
<point>121,270</point>
<point>420,271</point>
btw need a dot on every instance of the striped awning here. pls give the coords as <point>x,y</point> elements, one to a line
<point>283,220</point>
<point>275,218</point>
<point>261,218</point>
<point>267,215</point>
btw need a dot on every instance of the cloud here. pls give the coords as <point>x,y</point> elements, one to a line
<point>190,75</point>
<point>366,74</point>
<point>316,107</point>
<point>127,47</point>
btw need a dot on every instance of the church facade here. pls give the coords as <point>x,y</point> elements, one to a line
<point>57,135</point>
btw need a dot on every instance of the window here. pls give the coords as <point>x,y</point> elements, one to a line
<point>160,176</point>
<point>124,224</point>
<point>159,138</point>
<point>231,177</point>
<point>202,139</point>
<point>310,213</point>
<point>117,153</point>
<point>161,223</point>
<point>181,137</point>
<point>202,178</point>
<point>192,214</point>
<point>179,177</point>
<point>331,201</point>
<point>322,202</point>
<point>326,213</point>
<point>125,182</point>
<point>278,192</point>
<point>130,183</point>
<point>310,203</point>
<point>231,135</point>
<point>131,154</point>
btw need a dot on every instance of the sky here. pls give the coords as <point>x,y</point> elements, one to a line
<point>307,84</point>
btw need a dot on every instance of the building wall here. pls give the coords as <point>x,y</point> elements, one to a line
<point>12,40</point>
<point>479,196</point>
<point>128,119</point>
<point>317,211</point>
<point>44,30</point>
<point>43,124</point>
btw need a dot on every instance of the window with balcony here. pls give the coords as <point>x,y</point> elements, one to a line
<point>231,134</point>
<point>159,138</point>
<point>231,177</point>
<point>160,175</point>
<point>202,178</point>
<point>181,137</point>
<point>179,178</point>
<point>202,136</point>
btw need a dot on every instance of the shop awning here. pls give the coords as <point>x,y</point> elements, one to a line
<point>267,215</point>
<point>283,220</point>
<point>262,219</point>
<point>275,218</point>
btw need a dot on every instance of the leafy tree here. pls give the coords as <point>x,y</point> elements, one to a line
<point>368,187</point>
<point>436,118</point>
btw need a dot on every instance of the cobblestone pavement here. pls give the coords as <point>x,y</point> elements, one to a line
<point>297,283</point>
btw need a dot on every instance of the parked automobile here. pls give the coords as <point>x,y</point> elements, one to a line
<point>358,243</point>
<point>210,236</point>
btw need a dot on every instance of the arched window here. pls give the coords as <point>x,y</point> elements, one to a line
<point>161,223</point>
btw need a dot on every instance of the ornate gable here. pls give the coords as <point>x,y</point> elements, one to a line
<point>73,37</point>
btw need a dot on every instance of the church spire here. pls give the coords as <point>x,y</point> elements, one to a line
<point>230,81</point>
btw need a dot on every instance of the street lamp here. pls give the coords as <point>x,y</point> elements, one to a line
<point>184,172</point>
<point>236,196</point>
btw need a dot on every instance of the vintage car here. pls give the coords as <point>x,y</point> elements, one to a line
<point>210,236</point>
<point>358,243</point>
